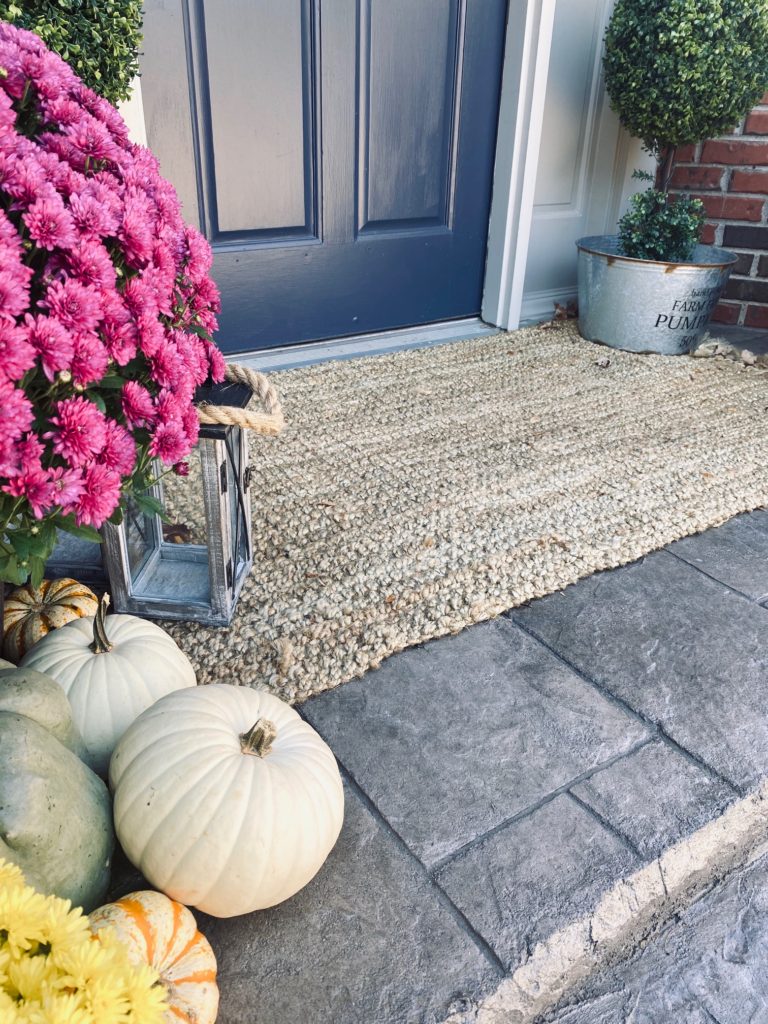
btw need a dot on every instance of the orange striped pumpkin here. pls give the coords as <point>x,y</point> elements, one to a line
<point>161,932</point>
<point>32,612</point>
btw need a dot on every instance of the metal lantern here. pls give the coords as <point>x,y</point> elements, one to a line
<point>192,564</point>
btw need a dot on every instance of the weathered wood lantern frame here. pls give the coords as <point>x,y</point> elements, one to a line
<point>150,575</point>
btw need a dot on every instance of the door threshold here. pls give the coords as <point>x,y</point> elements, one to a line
<point>307,353</point>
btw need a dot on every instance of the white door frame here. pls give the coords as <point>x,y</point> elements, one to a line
<point>521,116</point>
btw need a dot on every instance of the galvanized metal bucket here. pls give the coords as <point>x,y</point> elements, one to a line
<point>645,306</point>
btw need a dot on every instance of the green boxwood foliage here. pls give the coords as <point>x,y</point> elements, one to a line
<point>99,39</point>
<point>660,227</point>
<point>681,71</point>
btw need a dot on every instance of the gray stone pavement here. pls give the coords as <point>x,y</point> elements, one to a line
<point>500,780</point>
<point>709,966</point>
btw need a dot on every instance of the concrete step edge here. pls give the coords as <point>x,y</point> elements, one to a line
<point>627,914</point>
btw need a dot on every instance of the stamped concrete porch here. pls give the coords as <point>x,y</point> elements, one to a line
<point>499,781</point>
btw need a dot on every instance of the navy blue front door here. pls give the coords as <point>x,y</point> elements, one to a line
<point>337,153</point>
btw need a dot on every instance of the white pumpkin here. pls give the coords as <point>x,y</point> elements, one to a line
<point>225,799</point>
<point>111,668</point>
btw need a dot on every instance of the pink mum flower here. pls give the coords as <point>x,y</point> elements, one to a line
<point>138,407</point>
<point>59,174</point>
<point>169,405</point>
<point>140,298</point>
<point>16,414</point>
<point>206,294</point>
<point>92,140</point>
<point>90,264</point>
<point>16,354</point>
<point>217,361</point>
<point>14,291</point>
<point>100,496</point>
<point>28,183</point>
<point>100,285</point>
<point>62,110</point>
<point>167,367</point>
<point>75,305</point>
<point>118,329</point>
<point>51,341</point>
<point>80,430</point>
<point>151,335</point>
<point>34,485</point>
<point>9,459</point>
<point>8,234</point>
<point>90,361</point>
<point>169,443</point>
<point>191,425</point>
<point>107,192</point>
<point>50,224</point>
<point>7,115</point>
<point>30,451</point>
<point>92,218</point>
<point>136,232</point>
<point>199,256</point>
<point>119,452</point>
<point>68,485</point>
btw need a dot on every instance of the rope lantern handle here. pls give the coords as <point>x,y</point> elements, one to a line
<point>269,422</point>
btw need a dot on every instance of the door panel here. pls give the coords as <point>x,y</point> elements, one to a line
<point>342,154</point>
<point>261,117</point>
<point>409,78</point>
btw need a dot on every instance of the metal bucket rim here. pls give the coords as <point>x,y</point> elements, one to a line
<point>582,246</point>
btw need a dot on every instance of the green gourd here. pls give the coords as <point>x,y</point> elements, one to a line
<point>55,813</point>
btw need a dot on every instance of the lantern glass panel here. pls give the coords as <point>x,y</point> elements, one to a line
<point>177,569</point>
<point>141,532</point>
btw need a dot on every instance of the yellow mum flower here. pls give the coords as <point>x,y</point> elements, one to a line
<point>81,962</point>
<point>107,997</point>
<point>146,994</point>
<point>53,970</point>
<point>8,1006</point>
<point>64,927</point>
<point>10,874</point>
<point>29,977</point>
<point>23,915</point>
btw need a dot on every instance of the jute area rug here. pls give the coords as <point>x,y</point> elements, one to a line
<point>414,494</point>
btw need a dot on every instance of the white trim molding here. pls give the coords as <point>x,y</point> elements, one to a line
<point>132,111</point>
<point>521,116</point>
<point>538,306</point>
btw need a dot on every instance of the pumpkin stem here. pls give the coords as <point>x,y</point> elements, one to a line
<point>259,738</point>
<point>101,644</point>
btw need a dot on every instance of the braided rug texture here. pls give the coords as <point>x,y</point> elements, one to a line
<point>413,494</point>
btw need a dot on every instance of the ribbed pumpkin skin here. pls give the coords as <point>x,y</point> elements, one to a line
<point>55,814</point>
<point>163,933</point>
<point>215,828</point>
<point>109,691</point>
<point>32,612</point>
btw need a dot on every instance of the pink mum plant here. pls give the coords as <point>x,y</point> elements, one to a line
<point>106,311</point>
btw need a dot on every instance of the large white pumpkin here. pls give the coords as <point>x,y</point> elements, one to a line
<point>111,668</point>
<point>225,799</point>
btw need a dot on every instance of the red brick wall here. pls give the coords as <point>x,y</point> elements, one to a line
<point>730,176</point>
